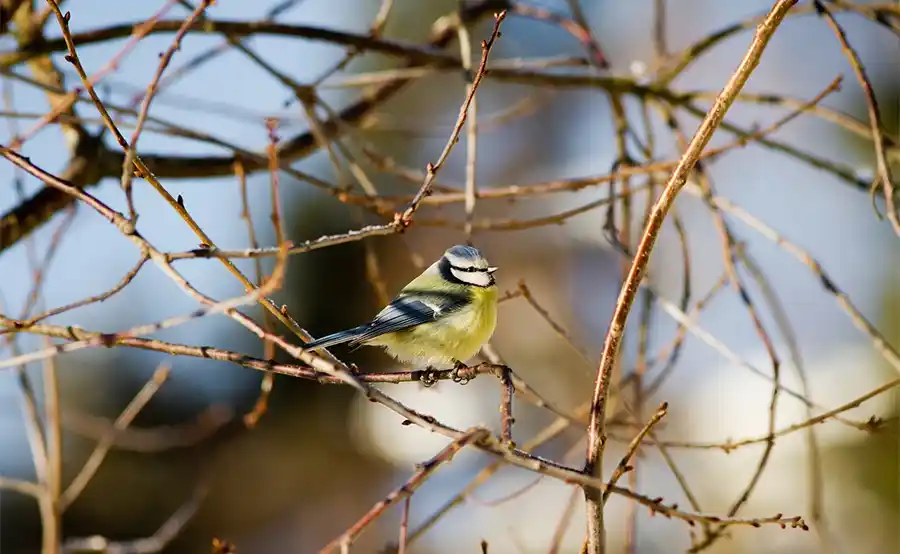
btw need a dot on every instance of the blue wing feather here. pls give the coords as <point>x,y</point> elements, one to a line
<point>409,310</point>
<point>335,338</point>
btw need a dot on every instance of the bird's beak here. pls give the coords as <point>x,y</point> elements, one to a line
<point>492,269</point>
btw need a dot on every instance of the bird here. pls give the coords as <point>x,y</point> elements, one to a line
<point>441,318</point>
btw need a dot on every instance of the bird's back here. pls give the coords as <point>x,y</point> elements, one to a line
<point>457,335</point>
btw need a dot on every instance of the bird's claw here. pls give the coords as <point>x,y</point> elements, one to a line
<point>455,375</point>
<point>428,377</point>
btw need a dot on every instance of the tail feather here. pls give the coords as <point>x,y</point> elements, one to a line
<point>335,338</point>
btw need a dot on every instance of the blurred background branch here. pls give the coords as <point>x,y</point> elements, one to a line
<point>134,421</point>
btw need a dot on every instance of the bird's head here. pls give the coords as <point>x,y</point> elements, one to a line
<point>468,265</point>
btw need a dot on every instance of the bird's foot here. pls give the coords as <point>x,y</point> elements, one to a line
<point>428,377</point>
<point>461,373</point>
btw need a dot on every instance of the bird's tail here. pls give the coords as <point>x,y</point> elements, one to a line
<point>335,338</point>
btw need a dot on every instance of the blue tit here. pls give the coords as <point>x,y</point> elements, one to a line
<point>441,318</point>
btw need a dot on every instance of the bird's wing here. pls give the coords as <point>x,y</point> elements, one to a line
<point>335,338</point>
<point>409,310</point>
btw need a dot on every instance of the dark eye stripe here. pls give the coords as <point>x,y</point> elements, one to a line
<point>467,269</point>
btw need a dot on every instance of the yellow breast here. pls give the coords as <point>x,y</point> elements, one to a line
<point>485,300</point>
<point>456,337</point>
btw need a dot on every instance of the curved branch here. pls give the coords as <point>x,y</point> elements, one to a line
<point>596,529</point>
<point>237,29</point>
<point>37,210</point>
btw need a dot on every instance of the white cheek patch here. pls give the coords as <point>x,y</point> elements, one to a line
<point>480,278</point>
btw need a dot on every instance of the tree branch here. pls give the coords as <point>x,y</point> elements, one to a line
<point>597,427</point>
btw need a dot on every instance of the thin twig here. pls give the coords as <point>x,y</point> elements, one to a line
<point>623,466</point>
<point>149,440</point>
<point>885,178</point>
<point>465,46</point>
<point>596,429</point>
<point>53,433</point>
<point>404,526</point>
<point>407,489</point>
<point>165,59</point>
<point>507,392</point>
<point>103,446</point>
<point>176,204</point>
<point>404,219</point>
<point>124,282</point>
<point>166,533</point>
<point>879,343</point>
<point>138,32</point>
<point>268,379</point>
